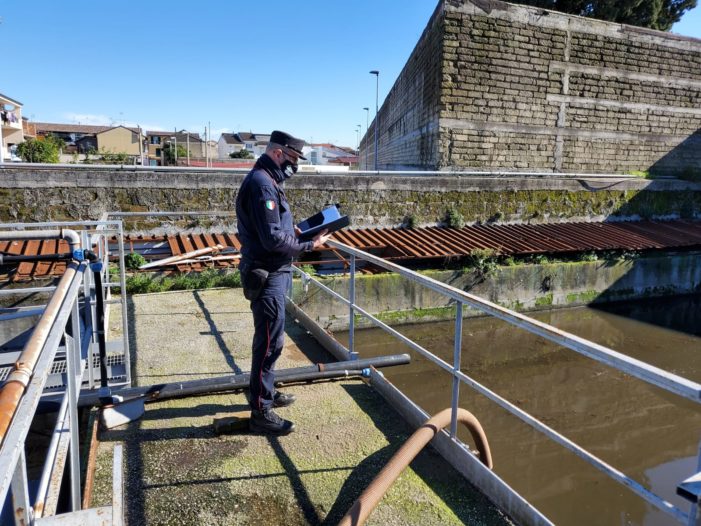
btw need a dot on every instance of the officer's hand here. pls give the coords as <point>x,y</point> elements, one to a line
<point>298,231</point>
<point>321,238</point>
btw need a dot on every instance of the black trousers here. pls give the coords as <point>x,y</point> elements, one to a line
<point>269,337</point>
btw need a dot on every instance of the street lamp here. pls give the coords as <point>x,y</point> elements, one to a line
<point>175,153</point>
<point>367,126</point>
<point>377,93</point>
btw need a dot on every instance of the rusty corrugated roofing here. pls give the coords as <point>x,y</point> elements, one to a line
<point>406,244</point>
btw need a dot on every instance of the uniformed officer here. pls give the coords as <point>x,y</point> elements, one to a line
<point>268,244</point>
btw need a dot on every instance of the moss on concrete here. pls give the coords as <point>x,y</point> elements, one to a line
<point>179,472</point>
<point>545,300</point>
<point>579,298</point>
<point>385,207</point>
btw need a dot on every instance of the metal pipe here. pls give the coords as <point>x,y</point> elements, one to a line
<point>26,291</point>
<point>19,378</point>
<point>399,173</point>
<point>70,236</point>
<point>180,257</point>
<point>21,314</point>
<point>241,381</point>
<point>8,258</point>
<point>368,500</point>
<point>59,429</point>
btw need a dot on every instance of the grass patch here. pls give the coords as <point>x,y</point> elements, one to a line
<point>643,174</point>
<point>544,301</point>
<point>453,218</point>
<point>133,261</point>
<point>141,283</point>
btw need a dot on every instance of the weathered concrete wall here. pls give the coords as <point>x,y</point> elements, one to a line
<point>521,288</point>
<point>80,193</point>
<point>528,89</point>
<point>409,117</point>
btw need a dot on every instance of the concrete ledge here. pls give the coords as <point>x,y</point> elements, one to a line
<point>523,287</point>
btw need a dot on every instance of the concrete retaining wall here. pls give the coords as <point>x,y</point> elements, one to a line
<point>524,88</point>
<point>54,193</point>
<point>520,287</point>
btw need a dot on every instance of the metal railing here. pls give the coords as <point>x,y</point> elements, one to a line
<point>641,370</point>
<point>68,351</point>
<point>95,235</point>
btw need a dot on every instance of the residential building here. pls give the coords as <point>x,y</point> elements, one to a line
<point>11,130</point>
<point>228,143</point>
<point>156,141</point>
<point>81,138</point>
<point>326,153</point>
<point>120,139</point>
<point>254,142</point>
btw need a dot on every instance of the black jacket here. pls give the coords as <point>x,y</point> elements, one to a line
<point>264,219</point>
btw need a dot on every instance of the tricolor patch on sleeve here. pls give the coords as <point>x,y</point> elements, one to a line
<point>270,204</point>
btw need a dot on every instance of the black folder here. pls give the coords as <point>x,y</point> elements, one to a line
<point>328,219</point>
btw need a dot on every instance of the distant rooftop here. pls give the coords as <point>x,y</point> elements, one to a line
<point>181,135</point>
<point>8,99</point>
<point>48,127</point>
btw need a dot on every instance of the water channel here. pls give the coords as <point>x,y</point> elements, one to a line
<point>646,433</point>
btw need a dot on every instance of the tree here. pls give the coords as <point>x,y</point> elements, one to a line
<point>655,14</point>
<point>241,154</point>
<point>40,150</point>
<point>169,153</point>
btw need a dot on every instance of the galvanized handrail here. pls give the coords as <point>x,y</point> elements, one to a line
<point>649,373</point>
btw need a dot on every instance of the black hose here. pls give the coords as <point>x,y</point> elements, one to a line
<point>241,381</point>
<point>10,258</point>
<point>100,314</point>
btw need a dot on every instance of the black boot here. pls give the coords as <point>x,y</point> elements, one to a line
<point>283,399</point>
<point>267,421</point>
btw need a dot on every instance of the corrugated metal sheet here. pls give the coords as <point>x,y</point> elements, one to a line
<point>406,244</point>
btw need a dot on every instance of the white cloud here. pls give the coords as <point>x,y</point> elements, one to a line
<point>88,119</point>
<point>215,133</point>
<point>104,120</point>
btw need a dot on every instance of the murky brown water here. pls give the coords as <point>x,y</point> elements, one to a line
<point>646,433</point>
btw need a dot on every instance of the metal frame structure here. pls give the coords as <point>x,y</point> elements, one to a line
<point>71,330</point>
<point>95,234</point>
<point>690,489</point>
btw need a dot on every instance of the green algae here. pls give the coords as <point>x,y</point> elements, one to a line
<point>544,301</point>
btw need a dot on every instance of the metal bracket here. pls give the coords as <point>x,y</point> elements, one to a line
<point>690,488</point>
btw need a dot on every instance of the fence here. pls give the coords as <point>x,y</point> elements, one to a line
<point>496,489</point>
<point>67,340</point>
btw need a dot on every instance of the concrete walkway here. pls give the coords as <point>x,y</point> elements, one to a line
<point>178,471</point>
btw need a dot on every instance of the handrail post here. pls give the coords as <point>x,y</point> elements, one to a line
<point>351,315</point>
<point>20,492</point>
<point>73,346</point>
<point>123,297</point>
<point>457,351</point>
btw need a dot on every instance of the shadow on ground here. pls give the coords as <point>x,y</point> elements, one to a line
<point>456,492</point>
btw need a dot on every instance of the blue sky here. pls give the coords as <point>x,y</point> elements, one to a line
<point>255,66</point>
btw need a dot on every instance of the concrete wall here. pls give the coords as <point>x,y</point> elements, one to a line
<point>54,193</point>
<point>522,88</point>
<point>521,288</point>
